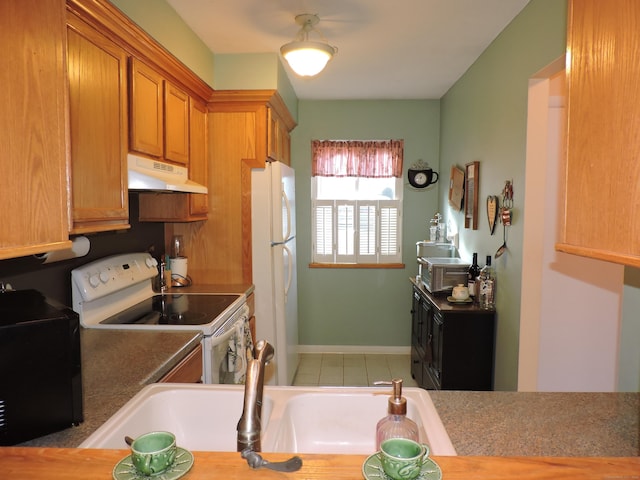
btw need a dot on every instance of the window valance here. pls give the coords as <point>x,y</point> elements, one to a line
<point>355,158</point>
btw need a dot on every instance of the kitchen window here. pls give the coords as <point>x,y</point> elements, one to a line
<point>356,191</point>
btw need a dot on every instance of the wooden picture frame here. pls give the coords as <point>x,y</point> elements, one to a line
<point>456,187</point>
<point>471,190</point>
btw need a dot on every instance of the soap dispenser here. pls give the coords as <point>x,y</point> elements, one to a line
<point>396,424</point>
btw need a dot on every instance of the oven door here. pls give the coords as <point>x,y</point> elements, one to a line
<point>225,355</point>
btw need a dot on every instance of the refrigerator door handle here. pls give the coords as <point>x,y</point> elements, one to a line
<point>287,286</point>
<point>287,207</point>
<point>284,242</point>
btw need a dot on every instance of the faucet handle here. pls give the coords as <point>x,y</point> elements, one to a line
<point>264,351</point>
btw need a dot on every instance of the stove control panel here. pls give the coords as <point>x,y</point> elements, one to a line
<point>112,274</point>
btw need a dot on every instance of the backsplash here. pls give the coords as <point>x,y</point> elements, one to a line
<point>54,279</point>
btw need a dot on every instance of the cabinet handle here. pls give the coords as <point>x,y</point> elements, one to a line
<point>428,354</point>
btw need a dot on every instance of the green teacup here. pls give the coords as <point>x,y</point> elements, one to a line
<point>402,459</point>
<point>154,452</point>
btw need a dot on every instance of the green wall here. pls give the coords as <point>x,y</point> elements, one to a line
<point>484,118</point>
<point>368,307</point>
<point>162,22</point>
<point>255,71</point>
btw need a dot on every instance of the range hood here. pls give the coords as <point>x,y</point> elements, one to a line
<point>146,174</point>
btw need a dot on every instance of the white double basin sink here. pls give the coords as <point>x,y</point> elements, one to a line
<point>294,419</point>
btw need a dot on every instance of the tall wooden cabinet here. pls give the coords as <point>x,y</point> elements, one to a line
<point>97,70</point>
<point>602,198</point>
<point>33,134</point>
<point>452,346</point>
<point>239,131</point>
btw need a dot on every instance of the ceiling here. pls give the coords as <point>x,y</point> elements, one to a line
<point>387,49</point>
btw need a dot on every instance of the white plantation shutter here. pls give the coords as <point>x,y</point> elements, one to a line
<point>323,231</point>
<point>389,232</point>
<point>367,233</point>
<point>349,231</point>
<point>345,231</point>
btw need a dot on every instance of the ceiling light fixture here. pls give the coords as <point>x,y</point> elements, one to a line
<point>307,58</point>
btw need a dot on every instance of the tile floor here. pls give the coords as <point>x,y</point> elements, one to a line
<point>352,370</point>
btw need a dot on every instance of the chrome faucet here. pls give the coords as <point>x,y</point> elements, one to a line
<point>249,426</point>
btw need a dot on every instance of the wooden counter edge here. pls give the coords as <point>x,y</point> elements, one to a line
<point>36,463</point>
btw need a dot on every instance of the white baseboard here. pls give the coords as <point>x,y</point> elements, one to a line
<point>365,349</point>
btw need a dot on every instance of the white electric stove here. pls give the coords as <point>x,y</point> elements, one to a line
<point>116,292</point>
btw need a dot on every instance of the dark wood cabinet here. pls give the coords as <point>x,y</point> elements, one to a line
<point>452,346</point>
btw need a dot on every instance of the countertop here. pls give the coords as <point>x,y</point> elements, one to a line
<point>117,364</point>
<point>541,423</point>
<point>82,464</point>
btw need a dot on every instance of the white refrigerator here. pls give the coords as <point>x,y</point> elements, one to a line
<point>273,230</point>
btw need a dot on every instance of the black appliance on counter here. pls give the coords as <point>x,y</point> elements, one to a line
<point>40,367</point>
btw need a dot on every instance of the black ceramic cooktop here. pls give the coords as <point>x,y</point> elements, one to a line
<point>174,309</point>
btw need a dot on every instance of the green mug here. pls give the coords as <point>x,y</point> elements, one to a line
<point>402,458</point>
<point>154,452</point>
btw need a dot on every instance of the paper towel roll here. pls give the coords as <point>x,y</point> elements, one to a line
<point>179,268</point>
<point>79,248</point>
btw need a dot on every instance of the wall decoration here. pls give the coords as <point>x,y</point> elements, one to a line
<point>420,175</point>
<point>471,188</point>
<point>492,212</point>
<point>456,188</point>
<point>505,215</point>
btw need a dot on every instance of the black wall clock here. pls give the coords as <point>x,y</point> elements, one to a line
<point>421,178</point>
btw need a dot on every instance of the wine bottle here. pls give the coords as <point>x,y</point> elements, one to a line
<point>486,284</point>
<point>474,271</point>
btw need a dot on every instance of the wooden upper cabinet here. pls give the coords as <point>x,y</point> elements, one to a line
<point>159,115</point>
<point>33,128</point>
<point>602,197</point>
<point>176,124</point>
<point>97,70</point>
<point>146,103</point>
<point>278,138</point>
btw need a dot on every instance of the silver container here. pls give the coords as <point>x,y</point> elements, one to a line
<point>426,249</point>
<point>441,274</point>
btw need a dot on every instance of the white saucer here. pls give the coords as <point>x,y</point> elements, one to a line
<point>455,300</point>
<point>372,469</point>
<point>124,470</point>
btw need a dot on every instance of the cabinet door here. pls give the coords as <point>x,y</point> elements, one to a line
<point>189,370</point>
<point>436,333</point>
<point>278,138</point>
<point>603,146</point>
<point>198,163</point>
<point>272,135</point>
<point>33,128</point>
<point>176,124</point>
<point>417,352</point>
<point>97,70</point>
<point>146,105</point>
